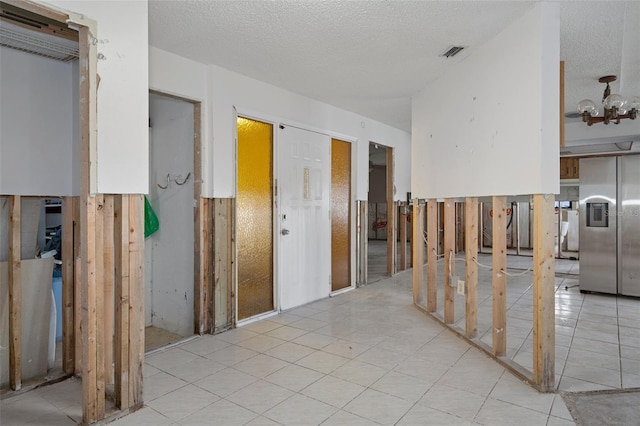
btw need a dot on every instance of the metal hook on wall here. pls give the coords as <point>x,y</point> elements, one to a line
<point>168,182</point>
<point>184,181</point>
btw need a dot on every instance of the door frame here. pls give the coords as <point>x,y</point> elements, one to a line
<point>202,303</point>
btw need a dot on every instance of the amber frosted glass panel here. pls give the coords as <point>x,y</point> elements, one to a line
<point>254,216</point>
<point>340,214</point>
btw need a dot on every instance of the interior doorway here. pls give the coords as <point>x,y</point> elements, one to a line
<point>381,244</point>
<point>169,252</point>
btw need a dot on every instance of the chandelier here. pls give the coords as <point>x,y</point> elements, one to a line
<point>616,107</point>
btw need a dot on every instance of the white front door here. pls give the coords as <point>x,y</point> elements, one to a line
<point>304,221</point>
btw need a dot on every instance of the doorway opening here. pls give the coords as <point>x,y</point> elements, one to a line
<point>169,252</point>
<point>381,243</point>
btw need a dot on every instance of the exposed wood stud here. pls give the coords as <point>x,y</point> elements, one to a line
<point>224,268</point>
<point>15,294</point>
<point>543,292</point>
<point>136,298</point>
<point>68,272</point>
<point>392,207</point>
<point>499,281</point>
<point>403,237</point>
<point>99,306</point>
<point>449,259</point>
<point>418,251</point>
<point>121,339</point>
<point>471,267</point>
<point>108,277</point>
<point>432,255</point>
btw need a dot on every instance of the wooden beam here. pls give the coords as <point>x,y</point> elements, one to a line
<point>391,216</point>
<point>88,304</point>
<point>432,255</point>
<point>418,251</point>
<point>99,306</point>
<point>136,298</point>
<point>108,277</point>
<point>121,339</point>
<point>543,292</point>
<point>363,238</point>
<point>562,117</point>
<point>68,273</point>
<point>449,259</point>
<point>15,294</point>
<point>499,281</point>
<point>471,267</point>
<point>224,272</point>
<point>403,237</point>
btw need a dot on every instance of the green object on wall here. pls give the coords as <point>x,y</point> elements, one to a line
<point>151,223</point>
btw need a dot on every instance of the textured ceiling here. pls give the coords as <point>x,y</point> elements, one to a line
<point>370,57</point>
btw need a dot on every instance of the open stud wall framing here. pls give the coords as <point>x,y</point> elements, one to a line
<point>543,374</point>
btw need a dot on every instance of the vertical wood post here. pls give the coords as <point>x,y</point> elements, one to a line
<point>418,251</point>
<point>543,292</point>
<point>69,205</point>
<point>363,238</point>
<point>392,207</point>
<point>15,294</point>
<point>108,278</point>
<point>432,255</point>
<point>99,306</point>
<point>392,243</point>
<point>204,269</point>
<point>403,237</point>
<point>136,298</point>
<point>499,281</point>
<point>449,259</point>
<point>471,267</point>
<point>224,267</point>
<point>121,340</point>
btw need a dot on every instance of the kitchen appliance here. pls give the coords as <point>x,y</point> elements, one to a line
<point>610,225</point>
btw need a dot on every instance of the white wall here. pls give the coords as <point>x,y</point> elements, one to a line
<point>261,100</point>
<point>36,124</point>
<point>491,125</point>
<point>122,33</point>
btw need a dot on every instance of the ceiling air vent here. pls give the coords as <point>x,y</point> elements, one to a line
<point>453,51</point>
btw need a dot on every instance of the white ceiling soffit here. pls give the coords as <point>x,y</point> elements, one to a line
<point>370,57</point>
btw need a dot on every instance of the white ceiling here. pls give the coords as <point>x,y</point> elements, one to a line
<point>370,57</point>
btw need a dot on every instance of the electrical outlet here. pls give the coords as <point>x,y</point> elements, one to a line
<point>461,287</point>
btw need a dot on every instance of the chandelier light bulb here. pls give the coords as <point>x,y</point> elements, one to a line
<point>614,101</point>
<point>588,106</point>
<point>633,103</point>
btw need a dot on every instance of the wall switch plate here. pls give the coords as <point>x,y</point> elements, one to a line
<point>461,287</point>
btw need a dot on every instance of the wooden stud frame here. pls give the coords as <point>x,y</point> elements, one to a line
<point>543,293</point>
<point>224,250</point>
<point>15,294</point>
<point>418,250</point>
<point>403,236</point>
<point>392,208</point>
<point>449,259</point>
<point>499,266</point>
<point>471,267</point>
<point>432,255</point>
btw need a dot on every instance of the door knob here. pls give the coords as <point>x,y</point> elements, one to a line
<point>284,231</point>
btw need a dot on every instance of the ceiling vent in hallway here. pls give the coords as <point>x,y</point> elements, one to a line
<point>453,51</point>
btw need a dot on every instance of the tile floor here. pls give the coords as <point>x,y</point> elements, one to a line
<point>368,357</point>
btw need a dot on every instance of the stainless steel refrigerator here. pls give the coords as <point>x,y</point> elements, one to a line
<point>610,225</point>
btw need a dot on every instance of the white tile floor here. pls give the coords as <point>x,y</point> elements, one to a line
<point>368,357</point>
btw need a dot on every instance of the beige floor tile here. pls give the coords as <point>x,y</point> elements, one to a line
<point>508,389</point>
<point>286,333</point>
<point>322,362</point>
<point>314,340</point>
<point>401,385</point>
<point>160,384</point>
<point>196,369</point>
<point>381,358</point>
<point>232,355</point>
<point>421,415</point>
<point>343,418</point>
<point>260,365</point>
<point>260,396</point>
<point>333,391</point>
<point>170,358</point>
<point>379,407</point>
<point>447,399</point>
<point>222,412</point>
<point>294,377</point>
<point>225,382</point>
<point>499,413</point>
<point>290,352</point>
<point>145,416</point>
<point>359,372</point>
<point>205,345</point>
<point>345,348</point>
<point>300,410</point>
<point>183,402</point>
